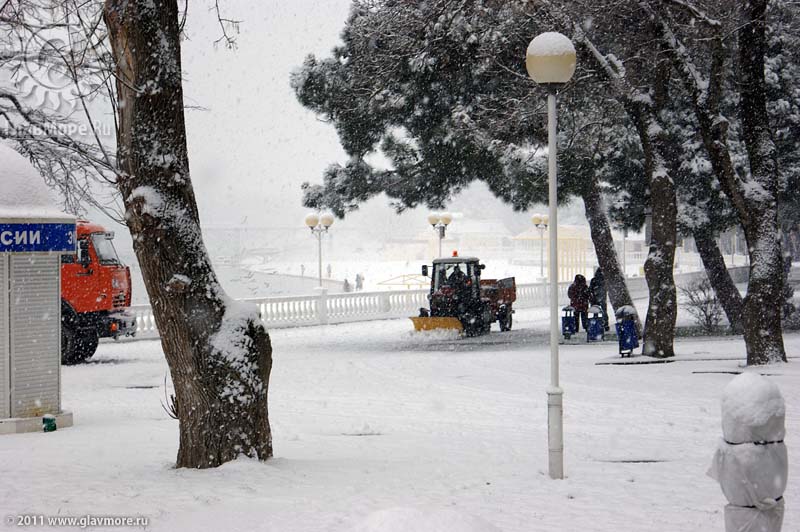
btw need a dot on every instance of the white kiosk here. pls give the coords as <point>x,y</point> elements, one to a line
<point>34,234</point>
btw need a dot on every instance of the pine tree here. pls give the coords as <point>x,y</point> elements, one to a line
<point>440,89</point>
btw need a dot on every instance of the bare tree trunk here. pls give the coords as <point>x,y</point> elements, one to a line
<point>219,354</point>
<point>603,242</point>
<point>717,272</point>
<point>662,311</point>
<point>764,301</point>
<point>659,327</point>
<point>755,196</point>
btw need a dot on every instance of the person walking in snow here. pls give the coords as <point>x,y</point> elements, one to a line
<point>346,285</point>
<point>599,294</point>
<point>579,295</point>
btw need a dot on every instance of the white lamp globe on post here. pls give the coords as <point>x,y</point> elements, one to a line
<point>550,61</point>
<point>319,224</point>
<point>326,219</point>
<point>440,221</point>
<point>312,220</point>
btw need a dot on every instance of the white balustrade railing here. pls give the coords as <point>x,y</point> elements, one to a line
<point>324,308</point>
<point>145,321</point>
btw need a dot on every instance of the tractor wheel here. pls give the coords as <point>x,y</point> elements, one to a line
<point>506,322</point>
<point>472,325</point>
<point>470,329</point>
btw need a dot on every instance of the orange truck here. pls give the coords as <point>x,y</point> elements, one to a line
<point>95,294</point>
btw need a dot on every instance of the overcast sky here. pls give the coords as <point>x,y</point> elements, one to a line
<point>254,145</point>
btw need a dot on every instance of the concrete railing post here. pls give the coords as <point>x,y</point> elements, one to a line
<point>385,302</point>
<point>322,305</point>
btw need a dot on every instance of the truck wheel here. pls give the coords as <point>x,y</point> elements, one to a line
<point>77,345</point>
<point>68,345</point>
<point>87,344</point>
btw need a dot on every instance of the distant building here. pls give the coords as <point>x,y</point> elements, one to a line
<point>575,250</point>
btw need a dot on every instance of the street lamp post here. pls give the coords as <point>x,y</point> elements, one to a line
<point>440,221</point>
<point>319,224</point>
<point>550,61</point>
<point>540,221</point>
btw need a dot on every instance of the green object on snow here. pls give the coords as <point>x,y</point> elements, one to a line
<point>49,423</point>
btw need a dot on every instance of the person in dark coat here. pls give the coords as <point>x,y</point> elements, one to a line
<point>457,278</point>
<point>579,295</point>
<point>599,294</point>
<point>458,281</point>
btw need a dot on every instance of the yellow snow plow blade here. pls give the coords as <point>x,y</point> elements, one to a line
<point>429,324</point>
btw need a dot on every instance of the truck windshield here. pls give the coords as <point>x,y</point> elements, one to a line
<point>104,248</point>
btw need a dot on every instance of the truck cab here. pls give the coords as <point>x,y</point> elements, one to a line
<point>95,294</point>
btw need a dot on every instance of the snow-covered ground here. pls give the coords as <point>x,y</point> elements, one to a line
<point>376,426</point>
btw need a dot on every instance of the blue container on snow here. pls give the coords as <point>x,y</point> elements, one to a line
<point>626,330</point>
<point>596,329</point>
<point>568,324</point>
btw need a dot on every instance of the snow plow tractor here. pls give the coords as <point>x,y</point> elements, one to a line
<point>461,300</point>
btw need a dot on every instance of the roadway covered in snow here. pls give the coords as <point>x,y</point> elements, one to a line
<point>371,417</point>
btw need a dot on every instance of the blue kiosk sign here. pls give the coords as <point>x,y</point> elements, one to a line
<point>37,237</point>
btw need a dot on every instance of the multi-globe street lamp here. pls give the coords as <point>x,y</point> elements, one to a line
<point>550,61</point>
<point>540,222</point>
<point>440,221</point>
<point>319,225</point>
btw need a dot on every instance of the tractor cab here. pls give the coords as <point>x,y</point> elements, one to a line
<point>454,280</point>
